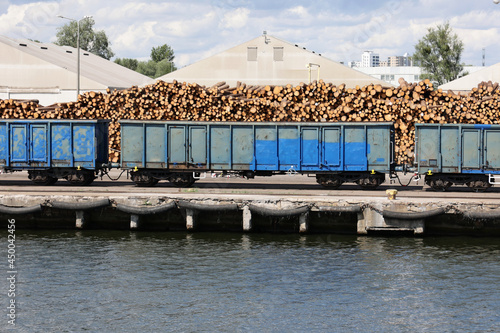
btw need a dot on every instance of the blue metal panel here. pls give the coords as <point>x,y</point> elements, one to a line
<point>132,143</point>
<point>428,153</point>
<point>450,149</point>
<point>19,143</point>
<point>310,148</point>
<point>84,145</point>
<point>471,148</point>
<point>332,157</point>
<point>289,148</point>
<point>243,148</point>
<point>492,149</point>
<point>355,148</point>
<point>61,145</point>
<point>39,143</point>
<point>378,147</point>
<point>4,144</point>
<point>220,147</point>
<point>266,148</point>
<point>177,157</point>
<point>198,146</point>
<point>155,145</point>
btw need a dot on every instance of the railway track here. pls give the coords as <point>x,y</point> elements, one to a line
<point>282,186</point>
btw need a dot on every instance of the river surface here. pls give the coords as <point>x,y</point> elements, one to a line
<point>121,281</point>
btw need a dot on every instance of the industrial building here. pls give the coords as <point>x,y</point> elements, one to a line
<point>476,75</point>
<point>267,60</point>
<point>48,72</point>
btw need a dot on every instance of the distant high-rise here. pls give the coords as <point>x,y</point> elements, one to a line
<point>370,59</point>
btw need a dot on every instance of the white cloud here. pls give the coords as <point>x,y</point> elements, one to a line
<point>235,19</point>
<point>28,20</point>
<point>299,11</point>
<point>196,29</point>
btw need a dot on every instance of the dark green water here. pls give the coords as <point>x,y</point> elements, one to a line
<point>102,281</point>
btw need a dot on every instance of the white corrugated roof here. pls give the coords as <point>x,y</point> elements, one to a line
<point>53,58</point>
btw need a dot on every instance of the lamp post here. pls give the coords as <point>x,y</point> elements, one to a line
<point>77,50</point>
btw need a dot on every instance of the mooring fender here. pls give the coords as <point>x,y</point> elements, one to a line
<point>145,210</point>
<point>81,205</point>
<point>20,210</point>
<point>340,209</point>
<point>413,215</point>
<point>206,207</point>
<point>279,212</point>
<point>488,215</point>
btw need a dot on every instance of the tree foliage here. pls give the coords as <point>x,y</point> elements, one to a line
<point>161,53</point>
<point>439,53</point>
<point>96,42</point>
<point>161,62</point>
<point>128,62</point>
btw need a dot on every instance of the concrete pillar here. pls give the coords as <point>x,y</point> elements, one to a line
<point>80,219</point>
<point>247,219</point>
<point>419,227</point>
<point>134,221</point>
<point>362,224</point>
<point>371,218</point>
<point>190,219</point>
<point>303,223</point>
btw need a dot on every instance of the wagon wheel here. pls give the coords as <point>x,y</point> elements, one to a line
<point>440,184</point>
<point>369,183</point>
<point>478,185</point>
<point>81,177</point>
<point>182,180</point>
<point>331,181</point>
<point>143,180</point>
<point>41,178</point>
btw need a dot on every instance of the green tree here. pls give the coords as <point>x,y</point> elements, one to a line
<point>439,54</point>
<point>127,62</point>
<point>161,62</point>
<point>164,67</point>
<point>162,52</point>
<point>147,68</point>
<point>96,42</point>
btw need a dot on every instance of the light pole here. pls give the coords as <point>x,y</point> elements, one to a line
<point>77,50</point>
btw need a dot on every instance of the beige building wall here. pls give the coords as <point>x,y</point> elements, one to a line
<point>267,60</point>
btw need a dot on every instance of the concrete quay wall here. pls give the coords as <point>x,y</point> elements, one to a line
<point>254,213</point>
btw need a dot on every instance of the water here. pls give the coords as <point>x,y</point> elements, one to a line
<point>102,281</point>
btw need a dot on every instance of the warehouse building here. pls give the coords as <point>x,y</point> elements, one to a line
<point>267,60</point>
<point>476,76</point>
<point>48,72</point>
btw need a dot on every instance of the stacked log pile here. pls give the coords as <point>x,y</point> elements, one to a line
<point>315,102</point>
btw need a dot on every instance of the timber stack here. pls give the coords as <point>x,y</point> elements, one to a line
<point>315,102</point>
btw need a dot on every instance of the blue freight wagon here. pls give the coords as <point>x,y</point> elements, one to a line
<point>51,149</point>
<point>179,151</point>
<point>458,154</point>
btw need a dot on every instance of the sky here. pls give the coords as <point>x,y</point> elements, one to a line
<point>196,29</point>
